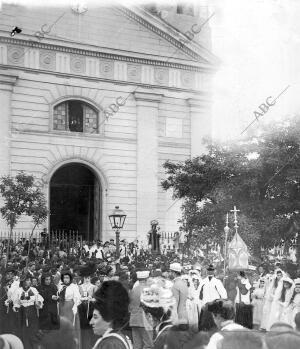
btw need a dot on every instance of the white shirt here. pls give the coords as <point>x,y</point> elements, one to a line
<point>217,337</point>
<point>99,252</point>
<point>72,293</point>
<point>245,298</point>
<point>213,290</point>
<point>31,292</point>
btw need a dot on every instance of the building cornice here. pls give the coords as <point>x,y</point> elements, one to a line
<point>81,63</point>
<point>105,55</point>
<point>175,42</point>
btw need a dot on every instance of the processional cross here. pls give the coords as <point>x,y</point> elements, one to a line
<point>235,211</point>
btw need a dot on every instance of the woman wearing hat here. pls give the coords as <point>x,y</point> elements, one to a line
<point>293,306</point>
<point>272,292</point>
<point>180,290</point>
<point>194,294</point>
<point>85,309</point>
<point>69,299</point>
<point>158,303</point>
<point>27,301</point>
<point>110,316</point>
<point>281,301</point>
<point>257,302</point>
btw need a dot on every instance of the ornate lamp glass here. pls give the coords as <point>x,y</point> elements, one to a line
<point>117,218</point>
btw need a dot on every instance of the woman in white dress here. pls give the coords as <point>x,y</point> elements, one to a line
<point>194,302</point>
<point>257,302</point>
<point>274,286</point>
<point>294,305</point>
<point>69,300</point>
<point>285,298</point>
<point>281,299</point>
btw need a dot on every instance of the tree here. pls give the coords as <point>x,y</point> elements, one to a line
<point>260,175</point>
<point>21,197</point>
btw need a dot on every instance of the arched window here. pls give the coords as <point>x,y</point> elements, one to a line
<point>75,116</point>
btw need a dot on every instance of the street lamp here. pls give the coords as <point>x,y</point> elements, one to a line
<point>117,220</point>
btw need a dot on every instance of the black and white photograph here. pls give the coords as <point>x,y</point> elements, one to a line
<point>149,174</point>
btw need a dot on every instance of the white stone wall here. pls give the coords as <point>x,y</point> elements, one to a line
<point>166,91</point>
<point>39,150</point>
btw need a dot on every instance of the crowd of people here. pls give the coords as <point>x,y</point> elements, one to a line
<point>83,298</point>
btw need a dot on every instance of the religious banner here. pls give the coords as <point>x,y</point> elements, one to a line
<point>237,254</point>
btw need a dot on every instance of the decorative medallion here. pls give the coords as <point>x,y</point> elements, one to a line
<point>77,64</point>
<point>15,55</point>
<point>161,76</point>
<point>134,73</point>
<point>106,69</point>
<point>187,79</point>
<point>47,60</point>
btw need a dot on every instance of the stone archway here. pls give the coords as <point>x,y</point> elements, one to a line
<point>75,200</point>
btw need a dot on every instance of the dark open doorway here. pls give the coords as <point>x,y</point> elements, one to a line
<point>75,201</point>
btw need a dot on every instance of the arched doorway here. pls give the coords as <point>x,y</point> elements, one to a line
<point>75,197</point>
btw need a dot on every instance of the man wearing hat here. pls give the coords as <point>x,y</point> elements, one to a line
<point>180,290</point>
<point>142,332</point>
<point>212,287</point>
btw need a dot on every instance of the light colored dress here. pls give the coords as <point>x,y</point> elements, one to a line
<point>278,307</point>
<point>68,308</point>
<point>268,302</point>
<point>192,305</point>
<point>257,302</point>
<point>291,310</point>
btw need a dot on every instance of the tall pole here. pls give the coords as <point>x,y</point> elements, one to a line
<point>117,244</point>
<point>117,249</point>
<point>226,230</point>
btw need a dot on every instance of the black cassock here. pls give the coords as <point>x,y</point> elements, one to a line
<point>85,311</point>
<point>48,315</point>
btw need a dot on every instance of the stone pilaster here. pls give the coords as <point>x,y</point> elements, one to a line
<point>201,124</point>
<point>147,105</point>
<point>7,82</point>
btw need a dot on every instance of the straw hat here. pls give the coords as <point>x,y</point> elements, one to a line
<point>11,342</point>
<point>176,267</point>
<point>156,296</point>
<point>142,274</point>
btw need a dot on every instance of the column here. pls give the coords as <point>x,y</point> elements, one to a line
<point>7,81</point>
<point>147,160</point>
<point>201,124</point>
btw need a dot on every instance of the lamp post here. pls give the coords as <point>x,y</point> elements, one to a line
<point>117,220</point>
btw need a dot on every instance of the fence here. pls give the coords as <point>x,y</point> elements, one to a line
<point>167,241</point>
<point>63,239</point>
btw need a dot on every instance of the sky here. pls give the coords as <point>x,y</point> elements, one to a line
<point>258,44</point>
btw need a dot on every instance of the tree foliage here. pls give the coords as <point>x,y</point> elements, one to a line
<point>22,197</point>
<point>260,175</point>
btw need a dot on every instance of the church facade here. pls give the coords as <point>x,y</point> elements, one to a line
<point>93,101</point>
